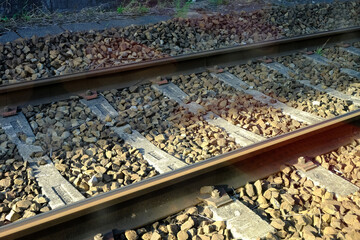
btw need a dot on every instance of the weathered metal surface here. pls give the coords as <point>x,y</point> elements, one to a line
<point>161,196</point>
<point>61,87</point>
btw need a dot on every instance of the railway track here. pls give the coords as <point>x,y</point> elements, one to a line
<point>137,145</point>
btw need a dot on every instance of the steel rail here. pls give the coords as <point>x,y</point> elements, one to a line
<point>61,87</point>
<point>161,196</point>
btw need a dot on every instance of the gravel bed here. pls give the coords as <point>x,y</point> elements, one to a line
<point>182,36</point>
<point>169,127</point>
<point>246,27</point>
<point>293,205</point>
<point>104,165</point>
<point>114,51</point>
<point>236,107</point>
<point>61,125</point>
<point>34,58</point>
<point>327,76</point>
<point>299,210</point>
<point>192,223</point>
<point>344,58</point>
<point>311,18</point>
<point>30,59</point>
<point>85,151</point>
<point>345,162</point>
<point>291,92</point>
<point>357,44</point>
<point>20,195</point>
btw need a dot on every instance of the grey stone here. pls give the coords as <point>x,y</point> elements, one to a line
<point>30,140</point>
<point>12,216</point>
<point>65,135</point>
<point>34,125</point>
<point>93,181</point>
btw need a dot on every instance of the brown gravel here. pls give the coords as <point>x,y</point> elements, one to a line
<point>110,52</point>
<point>291,92</point>
<point>20,195</point>
<point>192,223</point>
<point>102,166</point>
<point>345,162</point>
<point>171,128</point>
<point>242,27</point>
<point>60,125</point>
<point>327,76</point>
<point>85,151</point>
<point>293,205</point>
<point>236,107</point>
<point>299,210</point>
<point>310,18</point>
<point>343,58</point>
<point>174,37</point>
<point>195,140</point>
<point>30,59</point>
<point>43,57</point>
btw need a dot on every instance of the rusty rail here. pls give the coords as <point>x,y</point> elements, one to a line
<point>163,195</point>
<point>61,87</point>
<point>160,196</point>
